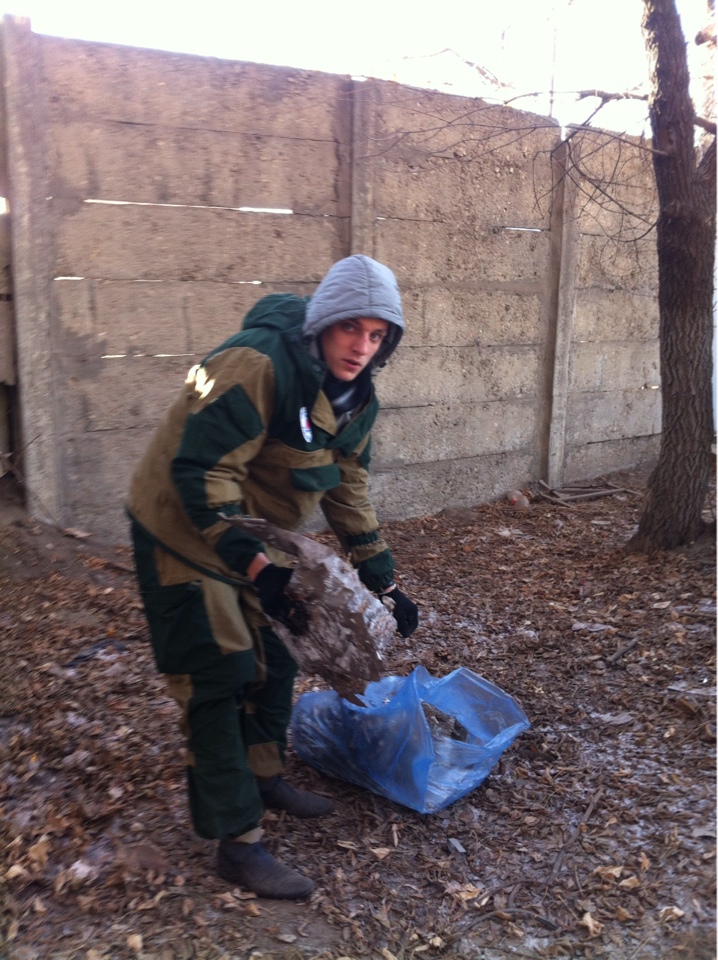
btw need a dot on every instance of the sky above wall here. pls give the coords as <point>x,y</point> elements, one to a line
<point>468,47</point>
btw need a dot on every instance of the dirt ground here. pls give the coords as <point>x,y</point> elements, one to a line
<point>594,836</point>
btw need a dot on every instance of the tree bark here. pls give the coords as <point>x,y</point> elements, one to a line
<point>686,188</point>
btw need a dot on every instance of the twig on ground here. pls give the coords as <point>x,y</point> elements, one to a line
<point>613,660</point>
<point>575,835</point>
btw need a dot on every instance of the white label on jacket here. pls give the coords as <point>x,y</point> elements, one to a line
<point>305,425</point>
<point>197,377</point>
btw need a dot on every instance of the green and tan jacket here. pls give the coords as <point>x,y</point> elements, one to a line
<point>253,432</point>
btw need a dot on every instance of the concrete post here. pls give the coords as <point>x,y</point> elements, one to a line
<point>38,446</point>
<point>566,308</point>
<point>363,166</point>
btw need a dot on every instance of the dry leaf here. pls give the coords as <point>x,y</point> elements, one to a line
<point>606,872</point>
<point>689,708</point>
<point>381,852</point>
<point>469,893</point>
<point>387,954</point>
<point>615,719</point>
<point>630,883</point>
<point>86,902</point>
<point>671,913</point>
<point>594,927</point>
<point>459,889</point>
<point>228,901</point>
<point>77,534</point>
<point>139,857</point>
<point>644,862</point>
<point>623,915</point>
<point>38,906</point>
<point>75,876</point>
<point>134,942</point>
<point>38,851</point>
<point>16,870</point>
<point>287,937</point>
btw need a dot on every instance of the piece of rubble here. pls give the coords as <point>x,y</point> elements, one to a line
<point>518,500</point>
<point>348,627</point>
<point>442,724</point>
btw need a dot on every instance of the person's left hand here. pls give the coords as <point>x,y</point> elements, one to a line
<point>405,611</point>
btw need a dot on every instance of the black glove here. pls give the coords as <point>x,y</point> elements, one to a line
<point>405,612</point>
<point>271,583</point>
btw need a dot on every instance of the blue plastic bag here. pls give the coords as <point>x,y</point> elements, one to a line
<point>387,744</point>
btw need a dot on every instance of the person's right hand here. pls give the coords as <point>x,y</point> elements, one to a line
<point>271,586</point>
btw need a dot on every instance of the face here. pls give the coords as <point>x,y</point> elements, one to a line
<point>350,345</point>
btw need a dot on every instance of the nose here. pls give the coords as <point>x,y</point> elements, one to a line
<point>362,342</point>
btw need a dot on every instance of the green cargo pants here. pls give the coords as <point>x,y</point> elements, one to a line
<point>232,678</point>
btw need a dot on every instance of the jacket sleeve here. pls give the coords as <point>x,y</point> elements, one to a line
<point>231,402</point>
<point>353,520</point>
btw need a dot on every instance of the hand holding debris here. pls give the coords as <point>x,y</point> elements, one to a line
<point>271,584</point>
<point>346,627</point>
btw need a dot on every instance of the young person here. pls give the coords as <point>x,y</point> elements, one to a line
<point>274,422</point>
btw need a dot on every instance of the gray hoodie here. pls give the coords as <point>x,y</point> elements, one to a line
<point>357,287</point>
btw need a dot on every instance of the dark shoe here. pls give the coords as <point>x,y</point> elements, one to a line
<point>255,869</point>
<point>277,794</point>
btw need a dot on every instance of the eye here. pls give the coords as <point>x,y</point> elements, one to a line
<point>377,336</point>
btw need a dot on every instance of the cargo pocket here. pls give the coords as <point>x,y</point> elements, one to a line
<point>181,635</point>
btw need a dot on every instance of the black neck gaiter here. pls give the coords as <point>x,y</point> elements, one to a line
<point>346,396</point>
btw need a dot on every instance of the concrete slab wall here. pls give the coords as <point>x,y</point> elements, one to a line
<point>155,197</point>
<point>454,209</point>
<point>614,414</point>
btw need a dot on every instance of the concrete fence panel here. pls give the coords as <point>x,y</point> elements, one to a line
<point>155,197</point>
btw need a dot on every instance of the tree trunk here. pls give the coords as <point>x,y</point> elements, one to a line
<point>686,251</point>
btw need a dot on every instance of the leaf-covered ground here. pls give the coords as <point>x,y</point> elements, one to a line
<point>593,837</point>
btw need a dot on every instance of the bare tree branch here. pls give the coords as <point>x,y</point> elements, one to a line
<point>708,125</point>
<point>575,128</point>
<point>606,96</point>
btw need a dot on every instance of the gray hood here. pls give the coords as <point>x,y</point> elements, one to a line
<point>357,287</point>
